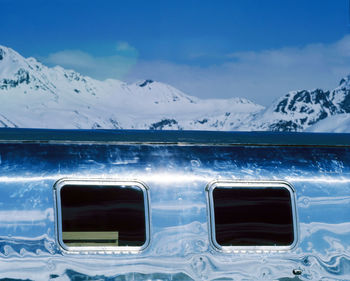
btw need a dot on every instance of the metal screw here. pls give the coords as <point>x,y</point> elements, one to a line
<point>297,271</point>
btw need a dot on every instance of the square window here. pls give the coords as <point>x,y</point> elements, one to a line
<point>102,215</point>
<point>254,215</point>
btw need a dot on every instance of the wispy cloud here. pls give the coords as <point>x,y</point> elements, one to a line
<point>260,76</point>
<point>99,67</point>
<point>123,46</point>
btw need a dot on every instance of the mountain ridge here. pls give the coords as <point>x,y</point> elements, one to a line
<point>34,95</point>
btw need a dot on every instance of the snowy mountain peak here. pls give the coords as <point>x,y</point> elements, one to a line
<point>145,82</point>
<point>59,98</point>
<point>9,55</point>
<point>345,82</point>
<point>299,110</point>
<point>3,51</point>
<point>10,62</point>
<point>341,96</point>
<point>160,93</point>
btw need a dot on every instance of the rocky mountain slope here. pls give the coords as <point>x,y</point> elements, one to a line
<point>33,95</point>
<point>299,110</point>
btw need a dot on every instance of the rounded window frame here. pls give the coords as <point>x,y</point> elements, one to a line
<point>100,249</point>
<point>242,184</point>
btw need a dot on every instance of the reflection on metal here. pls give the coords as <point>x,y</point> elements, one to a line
<point>251,185</point>
<point>74,246</point>
<point>176,167</point>
<point>90,238</point>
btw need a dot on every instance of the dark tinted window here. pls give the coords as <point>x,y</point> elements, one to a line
<point>251,216</point>
<point>98,215</point>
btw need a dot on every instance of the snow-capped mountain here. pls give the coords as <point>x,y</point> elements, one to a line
<point>299,110</point>
<point>34,95</point>
<point>340,122</point>
<point>296,111</point>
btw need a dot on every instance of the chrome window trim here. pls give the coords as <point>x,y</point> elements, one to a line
<point>99,249</point>
<point>249,184</point>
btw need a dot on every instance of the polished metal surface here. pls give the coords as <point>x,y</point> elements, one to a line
<point>177,176</point>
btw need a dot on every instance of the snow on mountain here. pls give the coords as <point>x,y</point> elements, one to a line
<point>298,110</point>
<point>339,123</point>
<point>34,95</point>
<point>340,96</point>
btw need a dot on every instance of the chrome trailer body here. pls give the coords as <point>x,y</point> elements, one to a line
<point>177,168</point>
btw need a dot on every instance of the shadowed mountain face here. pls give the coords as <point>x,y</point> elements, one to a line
<point>33,95</point>
<point>299,110</point>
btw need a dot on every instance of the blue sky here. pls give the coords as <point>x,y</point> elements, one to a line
<point>247,48</point>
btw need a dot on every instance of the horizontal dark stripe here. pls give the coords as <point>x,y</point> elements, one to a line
<point>175,137</point>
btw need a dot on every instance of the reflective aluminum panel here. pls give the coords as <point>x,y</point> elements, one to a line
<point>176,175</point>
